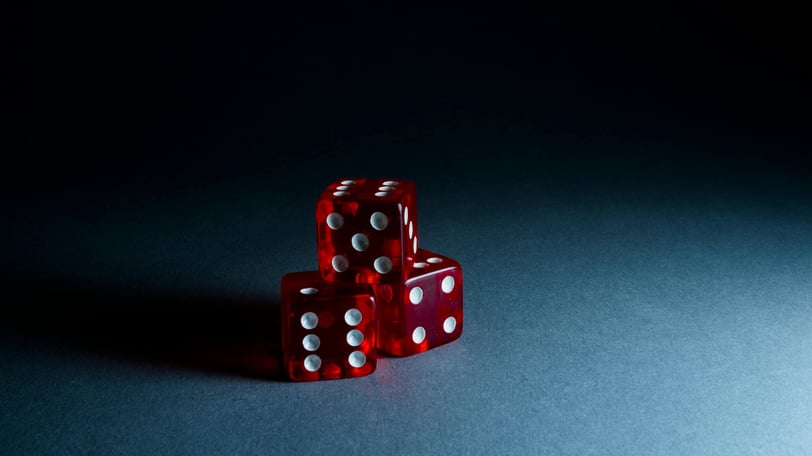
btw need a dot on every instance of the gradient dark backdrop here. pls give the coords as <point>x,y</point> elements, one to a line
<point>626,186</point>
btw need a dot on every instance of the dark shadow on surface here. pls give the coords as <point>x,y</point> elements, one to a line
<point>237,336</point>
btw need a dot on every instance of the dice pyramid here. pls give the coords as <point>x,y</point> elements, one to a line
<point>375,289</point>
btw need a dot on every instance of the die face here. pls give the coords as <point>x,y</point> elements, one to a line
<point>366,230</point>
<point>425,311</point>
<point>328,329</point>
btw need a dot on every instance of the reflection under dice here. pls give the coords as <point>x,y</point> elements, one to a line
<point>425,310</point>
<point>367,230</point>
<point>328,329</point>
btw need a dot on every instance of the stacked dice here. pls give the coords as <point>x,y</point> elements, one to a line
<point>374,290</point>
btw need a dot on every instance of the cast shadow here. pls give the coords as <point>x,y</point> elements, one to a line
<point>238,336</point>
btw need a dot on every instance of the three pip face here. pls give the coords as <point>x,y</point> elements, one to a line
<point>375,288</point>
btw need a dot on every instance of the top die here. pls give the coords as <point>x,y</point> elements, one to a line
<point>367,230</point>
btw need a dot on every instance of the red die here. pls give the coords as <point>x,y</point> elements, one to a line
<point>328,329</point>
<point>367,230</point>
<point>424,311</point>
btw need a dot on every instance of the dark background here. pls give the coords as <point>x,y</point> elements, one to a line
<point>626,186</point>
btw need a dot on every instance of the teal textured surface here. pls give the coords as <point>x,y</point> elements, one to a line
<point>617,306</point>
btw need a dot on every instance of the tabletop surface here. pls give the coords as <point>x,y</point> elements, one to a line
<point>607,310</point>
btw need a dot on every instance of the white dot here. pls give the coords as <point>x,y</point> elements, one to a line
<point>343,187</point>
<point>383,265</point>
<point>447,285</point>
<point>357,359</point>
<point>312,363</point>
<point>382,194</point>
<point>449,325</point>
<point>405,215</point>
<point>435,260</point>
<point>391,183</point>
<point>415,244</point>
<point>353,317</point>
<point>421,265</point>
<point>416,295</point>
<point>340,263</point>
<point>419,335</point>
<point>360,242</point>
<point>348,182</point>
<point>311,342</point>
<point>309,320</point>
<point>385,188</point>
<point>379,221</point>
<point>340,193</point>
<point>411,230</point>
<point>335,220</point>
<point>309,291</point>
<point>355,337</point>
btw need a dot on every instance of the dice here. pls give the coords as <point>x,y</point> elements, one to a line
<point>328,328</point>
<point>374,289</point>
<point>425,310</point>
<point>367,230</point>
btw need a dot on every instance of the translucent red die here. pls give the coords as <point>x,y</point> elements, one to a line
<point>425,310</point>
<point>367,230</point>
<point>328,328</point>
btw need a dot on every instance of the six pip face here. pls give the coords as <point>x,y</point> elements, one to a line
<point>328,329</point>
